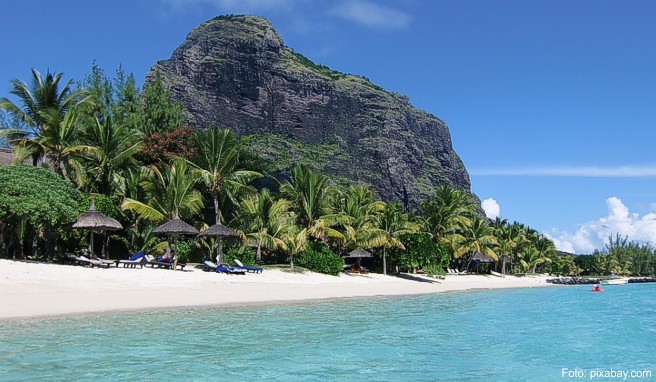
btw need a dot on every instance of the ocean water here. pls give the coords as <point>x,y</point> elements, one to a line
<point>498,335</point>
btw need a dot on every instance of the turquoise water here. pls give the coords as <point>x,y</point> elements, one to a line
<point>500,335</point>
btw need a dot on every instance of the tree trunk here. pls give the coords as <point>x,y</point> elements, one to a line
<point>217,220</point>
<point>503,267</point>
<point>291,261</point>
<point>258,256</point>
<point>175,257</point>
<point>384,261</point>
<point>218,250</point>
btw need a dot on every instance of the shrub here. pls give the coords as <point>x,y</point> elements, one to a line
<point>187,253</point>
<point>319,258</point>
<point>244,254</point>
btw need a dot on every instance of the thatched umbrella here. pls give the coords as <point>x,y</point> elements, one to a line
<point>482,257</point>
<point>218,230</point>
<point>173,228</point>
<point>95,221</point>
<point>359,254</point>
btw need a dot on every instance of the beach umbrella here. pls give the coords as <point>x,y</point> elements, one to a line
<point>95,221</point>
<point>173,228</point>
<point>218,230</point>
<point>482,257</point>
<point>359,254</point>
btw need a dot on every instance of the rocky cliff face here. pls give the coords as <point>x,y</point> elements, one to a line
<point>236,72</point>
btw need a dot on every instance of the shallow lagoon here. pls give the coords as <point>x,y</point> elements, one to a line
<point>520,334</point>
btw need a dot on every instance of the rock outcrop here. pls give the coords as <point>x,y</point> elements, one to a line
<point>235,71</point>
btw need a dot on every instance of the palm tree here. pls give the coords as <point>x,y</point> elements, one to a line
<point>478,237</point>
<point>109,154</point>
<point>394,223</point>
<point>308,193</point>
<point>352,222</point>
<point>216,163</point>
<point>546,249</point>
<point>265,221</point>
<point>509,238</point>
<point>58,139</point>
<point>167,191</point>
<point>296,241</point>
<point>447,211</point>
<point>530,258</point>
<point>42,103</point>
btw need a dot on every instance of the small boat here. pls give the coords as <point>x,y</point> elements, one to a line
<point>618,281</point>
<point>596,288</point>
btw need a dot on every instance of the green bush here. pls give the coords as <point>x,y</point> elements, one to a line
<point>244,254</point>
<point>420,250</point>
<point>319,258</point>
<point>187,253</point>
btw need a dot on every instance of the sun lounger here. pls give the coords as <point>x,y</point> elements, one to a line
<point>82,260</point>
<point>227,268</point>
<point>222,268</point>
<point>149,260</point>
<point>248,268</point>
<point>137,258</point>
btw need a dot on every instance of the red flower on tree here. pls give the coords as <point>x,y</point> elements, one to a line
<point>158,148</point>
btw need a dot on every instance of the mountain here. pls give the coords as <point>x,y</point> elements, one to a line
<point>236,72</point>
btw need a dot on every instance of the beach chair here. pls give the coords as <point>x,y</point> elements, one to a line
<point>222,268</point>
<point>137,258</point>
<point>229,269</point>
<point>150,260</point>
<point>209,266</point>
<point>83,260</point>
<point>248,268</point>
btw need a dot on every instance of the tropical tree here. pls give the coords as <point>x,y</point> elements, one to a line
<point>45,101</point>
<point>296,240</point>
<point>308,193</point>
<point>159,112</point>
<point>109,154</point>
<point>265,221</point>
<point>545,248</point>
<point>509,238</point>
<point>216,163</point>
<point>530,258</point>
<point>168,191</point>
<point>58,139</point>
<point>447,211</point>
<point>354,219</point>
<point>478,237</point>
<point>35,196</point>
<point>394,223</point>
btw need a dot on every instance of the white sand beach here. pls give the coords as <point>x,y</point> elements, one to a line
<point>31,289</point>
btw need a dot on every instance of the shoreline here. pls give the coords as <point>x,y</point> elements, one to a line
<point>33,290</point>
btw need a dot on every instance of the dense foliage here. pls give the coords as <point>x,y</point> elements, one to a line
<point>319,258</point>
<point>37,195</point>
<point>420,250</point>
<point>130,150</point>
<point>32,199</point>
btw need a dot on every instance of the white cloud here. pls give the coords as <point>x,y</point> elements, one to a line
<point>594,234</point>
<point>581,171</point>
<point>371,14</point>
<point>491,208</point>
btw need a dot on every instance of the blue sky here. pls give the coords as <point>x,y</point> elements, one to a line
<point>550,103</point>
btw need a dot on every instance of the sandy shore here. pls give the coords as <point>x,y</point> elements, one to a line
<point>29,289</point>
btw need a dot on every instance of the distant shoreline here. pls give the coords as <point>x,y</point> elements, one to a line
<point>31,290</point>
